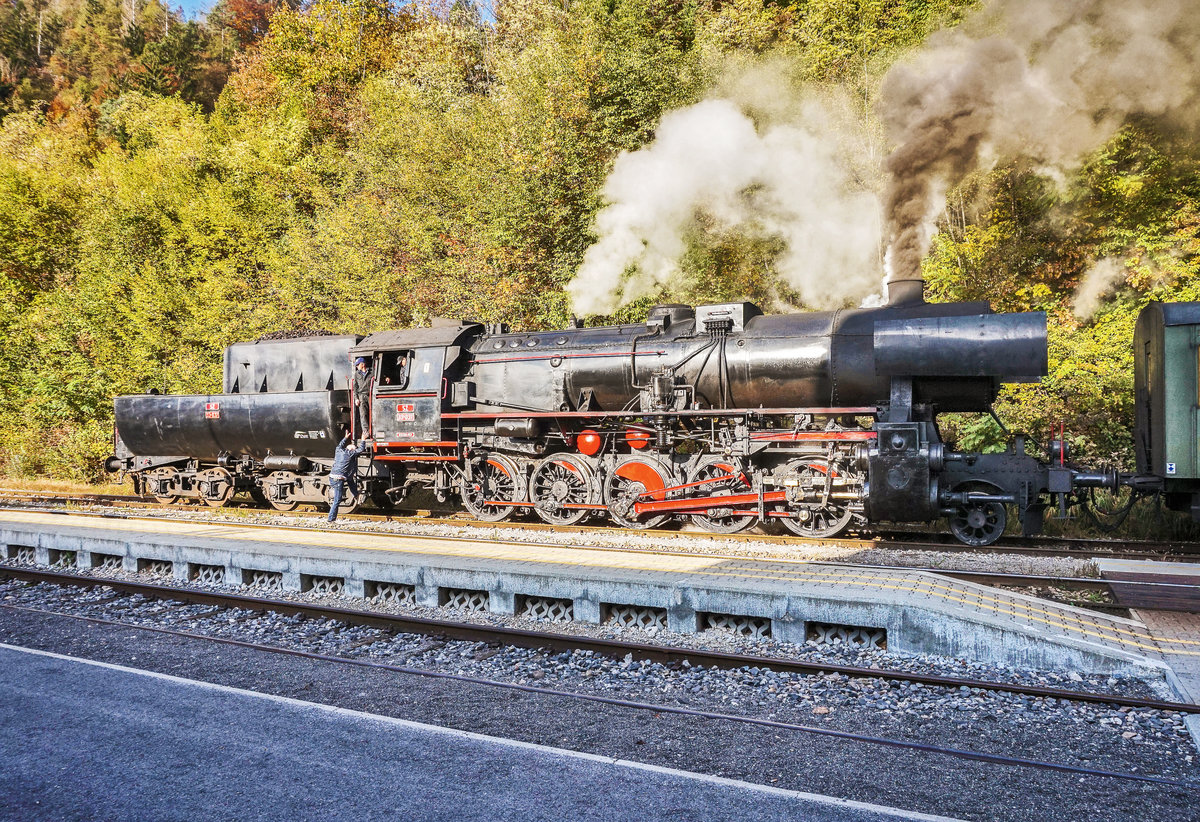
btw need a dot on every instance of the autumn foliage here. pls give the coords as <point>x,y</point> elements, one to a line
<point>168,187</point>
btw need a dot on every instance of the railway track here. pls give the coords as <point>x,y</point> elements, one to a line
<point>868,740</point>
<point>1095,594</point>
<point>558,643</point>
<point>1017,546</point>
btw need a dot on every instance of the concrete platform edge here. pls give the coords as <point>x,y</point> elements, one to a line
<point>938,627</point>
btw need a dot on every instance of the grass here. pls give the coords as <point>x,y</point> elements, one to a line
<point>61,486</point>
<point>1147,520</point>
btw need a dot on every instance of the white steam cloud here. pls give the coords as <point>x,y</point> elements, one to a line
<point>1048,82</point>
<point>1100,279</point>
<point>789,179</point>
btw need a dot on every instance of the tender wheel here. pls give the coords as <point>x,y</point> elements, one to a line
<point>558,482</point>
<point>160,482</point>
<point>636,479</point>
<point>216,487</point>
<point>823,517</point>
<point>278,490</point>
<point>497,480</point>
<point>980,524</point>
<point>350,502</point>
<point>721,478</point>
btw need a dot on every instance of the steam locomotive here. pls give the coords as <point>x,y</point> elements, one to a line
<point>719,414</point>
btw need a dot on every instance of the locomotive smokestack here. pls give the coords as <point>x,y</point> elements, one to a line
<point>905,292</point>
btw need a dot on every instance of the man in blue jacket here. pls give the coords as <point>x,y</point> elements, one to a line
<point>362,396</point>
<point>343,472</point>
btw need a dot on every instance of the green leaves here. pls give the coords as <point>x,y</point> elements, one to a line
<point>1023,242</point>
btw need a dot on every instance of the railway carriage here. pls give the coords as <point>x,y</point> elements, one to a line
<point>718,414</point>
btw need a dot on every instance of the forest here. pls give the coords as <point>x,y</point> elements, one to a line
<point>169,186</point>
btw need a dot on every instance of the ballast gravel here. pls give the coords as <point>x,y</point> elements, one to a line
<point>1079,734</point>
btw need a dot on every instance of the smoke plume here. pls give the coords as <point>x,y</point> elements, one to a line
<point>788,177</point>
<point>1047,82</point>
<point>1022,78</point>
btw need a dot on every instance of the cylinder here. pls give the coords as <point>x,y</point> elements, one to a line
<point>286,462</point>
<point>526,428</point>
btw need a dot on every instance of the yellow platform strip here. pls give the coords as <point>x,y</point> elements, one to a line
<point>804,572</point>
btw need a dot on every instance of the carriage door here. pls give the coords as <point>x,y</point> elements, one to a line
<point>408,395</point>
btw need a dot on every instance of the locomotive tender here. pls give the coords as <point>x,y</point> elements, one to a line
<point>821,421</point>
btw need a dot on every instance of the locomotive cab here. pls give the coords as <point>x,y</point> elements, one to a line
<point>412,368</point>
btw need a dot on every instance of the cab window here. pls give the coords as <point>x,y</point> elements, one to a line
<point>393,368</point>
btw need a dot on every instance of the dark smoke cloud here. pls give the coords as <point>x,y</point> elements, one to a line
<point>1047,81</point>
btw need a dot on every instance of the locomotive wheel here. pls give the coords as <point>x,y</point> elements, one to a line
<point>715,520</point>
<point>170,476</point>
<point>281,478</point>
<point>558,481</point>
<point>497,479</point>
<point>817,523</point>
<point>980,524</point>
<point>636,479</point>
<point>224,490</point>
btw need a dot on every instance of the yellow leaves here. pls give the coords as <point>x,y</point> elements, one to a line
<point>521,23</point>
<point>1129,186</point>
<point>747,25</point>
<point>332,41</point>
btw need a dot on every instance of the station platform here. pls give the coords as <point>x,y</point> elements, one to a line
<point>794,601</point>
<point>88,740</point>
<point>1175,585</point>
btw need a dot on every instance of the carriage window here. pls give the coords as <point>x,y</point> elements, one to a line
<point>393,368</point>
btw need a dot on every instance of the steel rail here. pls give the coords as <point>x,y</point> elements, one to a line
<point>525,526</point>
<point>959,753</point>
<point>1163,551</point>
<point>517,637</point>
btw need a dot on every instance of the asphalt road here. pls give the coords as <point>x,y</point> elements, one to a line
<point>88,740</point>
